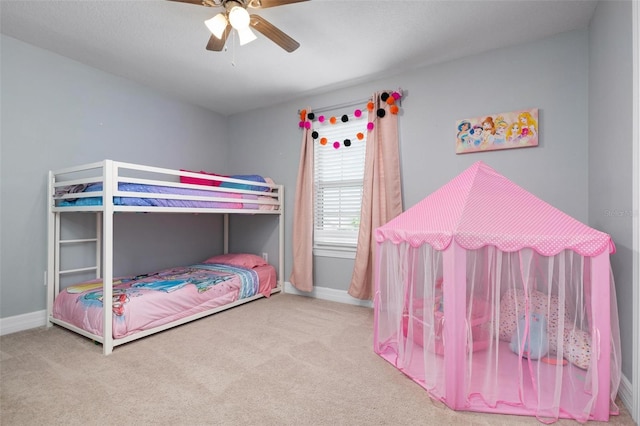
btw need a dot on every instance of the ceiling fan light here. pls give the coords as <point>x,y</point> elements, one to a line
<point>239,17</point>
<point>246,35</point>
<point>217,25</point>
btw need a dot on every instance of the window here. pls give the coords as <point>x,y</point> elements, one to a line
<point>338,181</point>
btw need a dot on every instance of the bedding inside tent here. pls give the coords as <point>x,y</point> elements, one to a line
<point>495,301</point>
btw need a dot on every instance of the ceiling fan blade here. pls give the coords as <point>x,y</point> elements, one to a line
<point>263,4</point>
<point>215,44</point>
<point>198,2</point>
<point>274,34</point>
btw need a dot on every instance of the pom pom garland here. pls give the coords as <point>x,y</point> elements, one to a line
<point>388,98</point>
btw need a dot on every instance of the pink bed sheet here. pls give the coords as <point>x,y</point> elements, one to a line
<point>137,307</point>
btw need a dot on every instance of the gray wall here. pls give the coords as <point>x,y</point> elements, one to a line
<point>550,74</point>
<point>610,147</point>
<point>59,113</point>
<point>56,113</point>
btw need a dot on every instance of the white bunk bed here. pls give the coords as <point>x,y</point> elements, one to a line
<point>109,179</point>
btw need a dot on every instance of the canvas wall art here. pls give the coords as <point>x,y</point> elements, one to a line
<point>517,129</point>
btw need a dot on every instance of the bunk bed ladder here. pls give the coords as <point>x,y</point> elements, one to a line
<point>96,241</point>
<point>55,247</point>
<point>59,244</point>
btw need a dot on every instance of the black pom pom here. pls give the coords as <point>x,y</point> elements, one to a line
<point>311,116</point>
<point>381,112</point>
<point>314,134</point>
<point>384,96</point>
<point>347,142</point>
<point>344,118</point>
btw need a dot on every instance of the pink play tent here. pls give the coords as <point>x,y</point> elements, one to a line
<point>495,301</point>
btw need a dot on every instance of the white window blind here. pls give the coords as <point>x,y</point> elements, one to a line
<point>338,180</point>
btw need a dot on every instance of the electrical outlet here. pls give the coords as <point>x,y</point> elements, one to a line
<point>265,256</point>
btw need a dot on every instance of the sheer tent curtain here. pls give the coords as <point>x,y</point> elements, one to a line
<point>302,271</point>
<point>382,190</point>
<point>531,331</point>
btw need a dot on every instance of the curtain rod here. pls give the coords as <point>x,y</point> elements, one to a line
<point>339,106</point>
<point>343,105</point>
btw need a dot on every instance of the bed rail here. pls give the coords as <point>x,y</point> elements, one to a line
<point>69,184</point>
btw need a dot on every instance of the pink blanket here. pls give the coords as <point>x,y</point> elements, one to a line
<point>148,301</point>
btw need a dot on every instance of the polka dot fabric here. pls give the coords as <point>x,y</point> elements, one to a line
<point>481,207</point>
<point>512,306</point>
<point>577,348</point>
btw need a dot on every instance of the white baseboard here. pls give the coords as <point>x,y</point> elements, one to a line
<point>23,322</point>
<point>326,293</point>
<point>625,392</point>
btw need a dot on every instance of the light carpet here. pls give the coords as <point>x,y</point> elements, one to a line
<point>287,360</point>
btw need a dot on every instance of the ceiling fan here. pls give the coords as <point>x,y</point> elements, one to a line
<point>235,16</point>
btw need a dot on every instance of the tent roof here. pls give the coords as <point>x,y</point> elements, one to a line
<point>481,207</point>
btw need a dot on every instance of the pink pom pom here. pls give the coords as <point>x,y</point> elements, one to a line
<point>396,95</point>
<point>336,144</point>
<point>370,126</point>
<point>357,113</point>
<point>321,119</point>
<point>301,124</point>
<point>307,124</point>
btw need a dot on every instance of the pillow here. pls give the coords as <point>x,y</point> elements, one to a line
<point>536,345</point>
<point>577,348</point>
<point>538,303</point>
<point>196,181</point>
<point>252,178</point>
<point>243,260</point>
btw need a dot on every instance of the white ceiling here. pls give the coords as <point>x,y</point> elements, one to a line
<point>161,44</point>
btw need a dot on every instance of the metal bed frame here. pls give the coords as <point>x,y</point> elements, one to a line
<point>110,173</point>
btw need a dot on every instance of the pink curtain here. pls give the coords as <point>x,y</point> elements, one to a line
<point>382,193</point>
<point>302,271</point>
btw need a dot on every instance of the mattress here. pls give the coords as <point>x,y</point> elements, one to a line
<point>227,200</point>
<point>151,300</point>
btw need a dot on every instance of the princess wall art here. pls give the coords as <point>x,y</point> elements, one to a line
<point>518,129</point>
